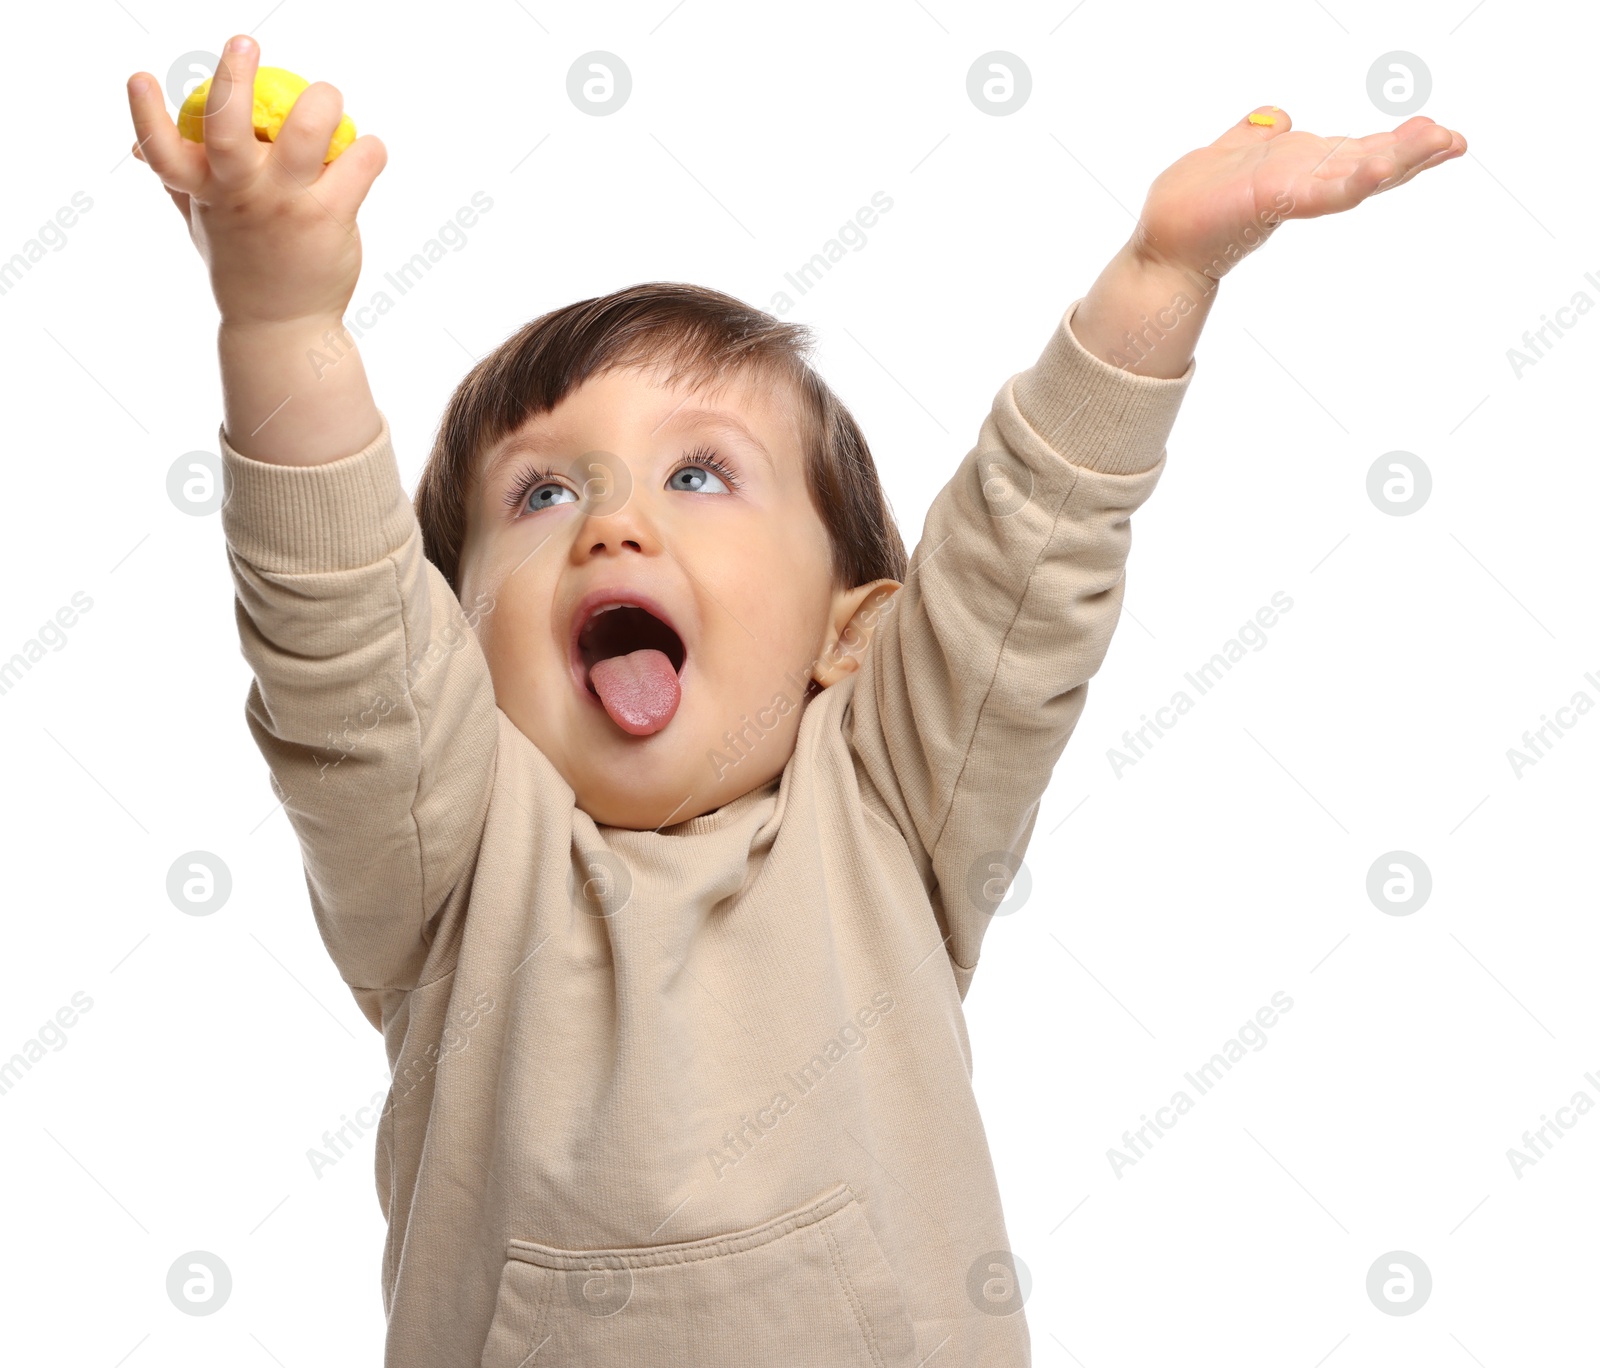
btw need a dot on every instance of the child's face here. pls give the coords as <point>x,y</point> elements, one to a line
<point>698,510</point>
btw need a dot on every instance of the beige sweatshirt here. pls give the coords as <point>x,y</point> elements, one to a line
<point>700,1097</point>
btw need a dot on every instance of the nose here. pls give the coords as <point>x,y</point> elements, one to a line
<point>615,520</point>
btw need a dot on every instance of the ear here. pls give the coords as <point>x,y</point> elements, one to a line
<point>851,621</point>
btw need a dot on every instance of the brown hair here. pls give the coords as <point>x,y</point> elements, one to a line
<point>693,334</point>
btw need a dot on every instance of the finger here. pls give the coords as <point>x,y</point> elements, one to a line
<point>1425,141</point>
<point>1401,179</point>
<point>1246,134</point>
<point>1419,125</point>
<point>1438,144</point>
<point>1381,142</point>
<point>1428,146</point>
<point>302,142</point>
<point>1335,194</point>
<point>350,175</point>
<point>175,159</point>
<point>1457,148</point>
<point>230,131</point>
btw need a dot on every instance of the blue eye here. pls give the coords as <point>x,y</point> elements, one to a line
<point>703,472</point>
<point>549,495</point>
<point>535,488</point>
<point>697,479</point>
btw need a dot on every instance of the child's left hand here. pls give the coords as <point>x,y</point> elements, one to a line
<point>1213,206</point>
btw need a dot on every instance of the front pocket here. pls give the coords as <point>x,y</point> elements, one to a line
<point>809,1286</point>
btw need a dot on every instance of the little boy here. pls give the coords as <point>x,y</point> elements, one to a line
<point>652,806</point>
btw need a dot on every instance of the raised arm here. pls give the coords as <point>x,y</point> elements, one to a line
<point>978,667</point>
<point>371,702</point>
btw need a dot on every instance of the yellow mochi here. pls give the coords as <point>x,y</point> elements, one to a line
<point>276,90</point>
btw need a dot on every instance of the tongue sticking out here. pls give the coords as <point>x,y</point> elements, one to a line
<point>639,690</point>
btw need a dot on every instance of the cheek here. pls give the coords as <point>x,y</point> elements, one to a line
<point>775,555</point>
<point>777,590</point>
<point>513,621</point>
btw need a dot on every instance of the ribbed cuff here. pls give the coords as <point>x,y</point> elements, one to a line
<point>301,520</point>
<point>1095,414</point>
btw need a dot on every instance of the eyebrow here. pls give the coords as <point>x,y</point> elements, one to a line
<point>718,420</point>
<point>541,442</point>
<point>544,441</point>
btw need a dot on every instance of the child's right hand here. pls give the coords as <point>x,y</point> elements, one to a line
<point>275,226</point>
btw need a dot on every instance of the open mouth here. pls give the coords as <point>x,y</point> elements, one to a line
<point>630,659</point>
<point>622,628</point>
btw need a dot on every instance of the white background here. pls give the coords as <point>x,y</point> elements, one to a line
<point>1167,905</point>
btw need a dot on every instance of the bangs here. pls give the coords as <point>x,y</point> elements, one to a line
<point>682,336</point>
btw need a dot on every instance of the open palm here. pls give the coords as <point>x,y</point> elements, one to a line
<point>1209,208</point>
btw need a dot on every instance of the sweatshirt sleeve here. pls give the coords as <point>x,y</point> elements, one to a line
<point>371,703</point>
<point>979,666</point>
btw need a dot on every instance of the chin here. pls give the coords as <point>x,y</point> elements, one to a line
<point>640,783</point>
<point>662,790</point>
<point>641,807</point>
